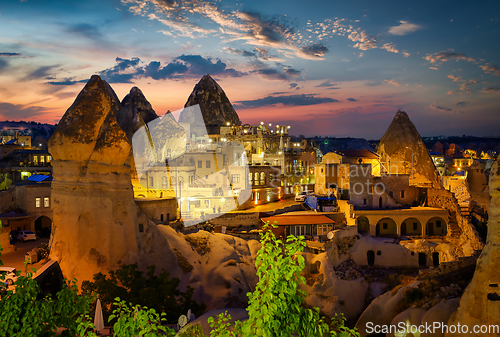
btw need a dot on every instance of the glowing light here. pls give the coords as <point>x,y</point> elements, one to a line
<point>270,124</point>
<point>227,123</point>
<point>261,123</point>
<point>222,199</point>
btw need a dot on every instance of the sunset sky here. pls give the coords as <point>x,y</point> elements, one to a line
<point>335,68</point>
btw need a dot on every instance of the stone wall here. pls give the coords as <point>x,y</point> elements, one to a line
<point>235,219</point>
<point>446,268</point>
<point>159,210</point>
<point>469,237</point>
<point>7,200</point>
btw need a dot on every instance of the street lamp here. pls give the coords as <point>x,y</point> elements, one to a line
<point>411,162</point>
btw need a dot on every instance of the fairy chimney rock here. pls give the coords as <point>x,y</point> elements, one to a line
<point>214,104</point>
<point>399,144</point>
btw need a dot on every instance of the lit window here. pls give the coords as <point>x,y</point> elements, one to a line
<point>42,159</point>
<point>46,202</point>
<point>262,178</point>
<point>37,202</point>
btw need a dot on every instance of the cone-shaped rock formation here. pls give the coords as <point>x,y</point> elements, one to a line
<point>399,144</point>
<point>214,104</point>
<point>96,224</point>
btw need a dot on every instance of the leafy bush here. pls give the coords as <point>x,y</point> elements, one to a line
<point>26,313</point>
<point>158,292</point>
<point>276,307</point>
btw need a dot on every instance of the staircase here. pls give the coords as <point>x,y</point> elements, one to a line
<point>453,229</point>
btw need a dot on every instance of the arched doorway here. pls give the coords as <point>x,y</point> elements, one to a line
<point>43,225</point>
<point>436,227</point>
<point>370,256</point>
<point>387,227</point>
<point>411,226</point>
<point>363,225</point>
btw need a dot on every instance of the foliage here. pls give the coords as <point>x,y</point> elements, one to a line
<point>158,292</point>
<point>25,313</point>
<point>276,307</point>
<point>134,321</point>
<point>193,331</point>
<point>5,181</point>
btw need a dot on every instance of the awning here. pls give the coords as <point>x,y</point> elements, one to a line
<point>40,177</point>
<point>299,219</point>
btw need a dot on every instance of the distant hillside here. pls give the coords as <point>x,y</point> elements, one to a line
<point>32,129</point>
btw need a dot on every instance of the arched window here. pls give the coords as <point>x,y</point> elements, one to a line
<point>256,178</point>
<point>250,180</point>
<point>164,183</point>
<point>262,178</point>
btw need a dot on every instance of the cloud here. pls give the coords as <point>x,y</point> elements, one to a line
<point>352,99</point>
<point>84,29</point>
<point>291,72</point>
<point>363,41</point>
<point>491,69</point>
<point>272,74</point>
<point>465,86</point>
<point>9,111</point>
<point>293,85</point>
<point>241,52</point>
<point>272,30</point>
<point>404,28</point>
<point>316,50</point>
<point>9,54</point>
<point>434,106</point>
<point>183,66</point>
<point>392,82</point>
<point>463,103</point>
<point>433,68</point>
<point>3,64</point>
<point>327,84</point>
<point>390,47</point>
<point>291,100</point>
<point>67,81</point>
<point>182,28</point>
<point>491,89</point>
<point>444,56</point>
<point>40,72</point>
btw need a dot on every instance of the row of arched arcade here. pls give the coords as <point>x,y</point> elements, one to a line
<point>401,225</point>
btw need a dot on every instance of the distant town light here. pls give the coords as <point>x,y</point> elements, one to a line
<point>289,126</point>
<point>261,123</point>
<point>227,123</point>
<point>270,124</point>
<point>277,126</point>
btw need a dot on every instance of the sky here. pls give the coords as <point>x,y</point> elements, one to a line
<point>327,68</point>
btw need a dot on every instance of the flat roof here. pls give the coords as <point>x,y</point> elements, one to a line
<point>299,219</point>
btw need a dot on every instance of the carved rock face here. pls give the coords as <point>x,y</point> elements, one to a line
<point>395,150</point>
<point>215,106</point>
<point>97,224</point>
<point>480,303</point>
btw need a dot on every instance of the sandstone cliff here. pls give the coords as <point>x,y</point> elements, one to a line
<point>480,303</point>
<point>214,104</point>
<point>395,150</point>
